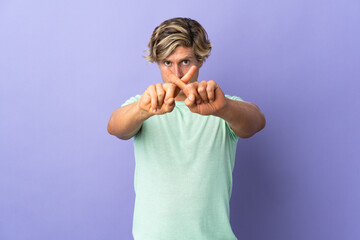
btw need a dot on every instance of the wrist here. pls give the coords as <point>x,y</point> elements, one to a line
<point>143,114</point>
<point>222,112</point>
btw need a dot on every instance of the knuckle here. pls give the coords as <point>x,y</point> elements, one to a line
<point>201,89</point>
<point>187,87</point>
<point>151,87</point>
<point>170,86</point>
<point>211,84</point>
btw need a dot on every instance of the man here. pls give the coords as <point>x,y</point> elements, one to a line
<point>185,135</point>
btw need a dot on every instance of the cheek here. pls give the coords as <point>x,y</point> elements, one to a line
<point>164,79</point>
<point>162,75</point>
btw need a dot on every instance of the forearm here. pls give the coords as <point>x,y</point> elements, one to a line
<point>126,121</point>
<point>244,118</point>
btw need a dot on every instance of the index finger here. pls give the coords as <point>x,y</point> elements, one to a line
<point>186,78</point>
<point>174,79</point>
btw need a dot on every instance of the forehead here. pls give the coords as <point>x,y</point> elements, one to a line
<point>181,53</point>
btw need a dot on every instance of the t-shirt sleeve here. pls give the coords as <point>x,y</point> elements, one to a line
<point>234,97</point>
<point>131,100</point>
<point>231,132</point>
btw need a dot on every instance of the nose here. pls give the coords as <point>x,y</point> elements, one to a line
<point>178,71</point>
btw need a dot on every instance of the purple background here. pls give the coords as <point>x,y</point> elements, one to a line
<point>66,65</point>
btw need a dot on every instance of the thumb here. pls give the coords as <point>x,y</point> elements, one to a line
<point>170,104</point>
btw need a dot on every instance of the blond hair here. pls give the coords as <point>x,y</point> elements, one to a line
<point>178,32</point>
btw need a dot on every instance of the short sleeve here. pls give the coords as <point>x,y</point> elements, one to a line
<point>231,132</point>
<point>234,97</point>
<point>131,100</point>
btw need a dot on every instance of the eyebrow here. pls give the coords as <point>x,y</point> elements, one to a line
<point>184,58</point>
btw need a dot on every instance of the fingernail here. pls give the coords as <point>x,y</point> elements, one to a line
<point>198,101</point>
<point>154,110</point>
<point>211,100</point>
<point>191,97</point>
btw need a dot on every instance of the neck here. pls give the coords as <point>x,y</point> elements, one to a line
<point>180,97</point>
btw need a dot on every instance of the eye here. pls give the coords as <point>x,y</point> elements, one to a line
<point>186,62</point>
<point>167,63</point>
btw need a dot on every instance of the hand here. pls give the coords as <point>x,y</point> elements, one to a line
<point>160,98</point>
<point>205,98</point>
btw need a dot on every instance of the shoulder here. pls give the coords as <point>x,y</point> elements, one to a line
<point>131,100</point>
<point>234,97</point>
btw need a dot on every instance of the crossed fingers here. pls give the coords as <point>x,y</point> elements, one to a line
<point>181,83</point>
<point>195,92</point>
<point>162,96</point>
<point>204,97</point>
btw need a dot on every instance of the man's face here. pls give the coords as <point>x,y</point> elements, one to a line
<point>179,62</point>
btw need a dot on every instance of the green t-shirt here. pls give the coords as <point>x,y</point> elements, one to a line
<point>183,176</point>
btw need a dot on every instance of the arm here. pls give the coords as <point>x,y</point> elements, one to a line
<point>126,121</point>
<point>158,99</point>
<point>207,98</point>
<point>244,118</point>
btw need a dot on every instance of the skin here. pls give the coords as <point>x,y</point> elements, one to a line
<point>180,72</point>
